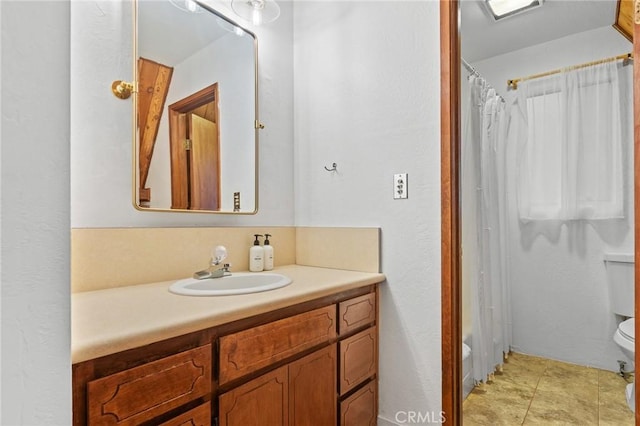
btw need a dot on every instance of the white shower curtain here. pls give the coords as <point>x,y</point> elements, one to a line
<point>484,242</point>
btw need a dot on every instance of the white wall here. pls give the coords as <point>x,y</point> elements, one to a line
<point>35,325</point>
<point>560,303</point>
<point>367,96</point>
<point>101,124</point>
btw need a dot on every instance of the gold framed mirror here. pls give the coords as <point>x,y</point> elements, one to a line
<point>195,110</point>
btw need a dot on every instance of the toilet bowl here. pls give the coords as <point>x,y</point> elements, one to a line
<point>620,277</point>
<point>625,338</point>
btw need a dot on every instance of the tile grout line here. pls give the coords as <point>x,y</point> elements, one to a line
<point>598,407</point>
<point>546,364</point>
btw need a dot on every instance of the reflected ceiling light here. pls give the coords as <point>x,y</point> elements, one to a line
<point>232,28</point>
<point>187,5</point>
<point>501,9</point>
<point>257,12</point>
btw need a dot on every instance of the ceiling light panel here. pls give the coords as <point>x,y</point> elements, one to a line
<point>501,9</point>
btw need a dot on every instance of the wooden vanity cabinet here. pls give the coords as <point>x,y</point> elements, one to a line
<point>311,364</point>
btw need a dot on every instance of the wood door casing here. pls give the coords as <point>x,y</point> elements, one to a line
<point>636,190</point>
<point>451,329</point>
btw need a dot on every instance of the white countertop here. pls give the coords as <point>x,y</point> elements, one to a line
<point>104,322</point>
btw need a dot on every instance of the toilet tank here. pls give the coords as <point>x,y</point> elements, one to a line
<point>620,280</point>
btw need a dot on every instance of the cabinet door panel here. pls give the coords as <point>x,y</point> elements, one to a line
<point>262,401</point>
<point>360,408</point>
<point>357,359</point>
<point>142,393</point>
<point>312,389</point>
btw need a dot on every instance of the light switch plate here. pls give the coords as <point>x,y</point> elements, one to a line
<point>400,186</point>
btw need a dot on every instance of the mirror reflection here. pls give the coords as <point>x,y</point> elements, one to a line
<point>196,138</point>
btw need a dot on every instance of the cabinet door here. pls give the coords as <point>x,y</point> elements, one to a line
<point>312,389</point>
<point>262,401</point>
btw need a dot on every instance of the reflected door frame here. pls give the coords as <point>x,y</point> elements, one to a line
<point>451,321</point>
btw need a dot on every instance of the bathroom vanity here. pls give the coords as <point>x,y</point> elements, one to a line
<point>305,354</point>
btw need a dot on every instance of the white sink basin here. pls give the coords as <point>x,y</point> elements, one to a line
<point>237,283</point>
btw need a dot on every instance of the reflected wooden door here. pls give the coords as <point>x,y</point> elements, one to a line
<point>203,173</point>
<point>194,140</point>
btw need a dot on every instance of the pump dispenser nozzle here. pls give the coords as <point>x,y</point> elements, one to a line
<point>257,242</point>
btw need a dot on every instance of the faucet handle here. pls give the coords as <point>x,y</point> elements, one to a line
<point>218,254</point>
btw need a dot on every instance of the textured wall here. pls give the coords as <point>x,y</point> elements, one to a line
<point>367,93</point>
<point>36,373</point>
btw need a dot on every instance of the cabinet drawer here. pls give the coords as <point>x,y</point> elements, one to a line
<point>356,312</point>
<point>360,408</point>
<point>142,393</point>
<point>199,416</point>
<point>250,350</point>
<point>357,359</point>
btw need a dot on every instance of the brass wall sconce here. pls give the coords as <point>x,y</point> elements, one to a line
<point>122,89</point>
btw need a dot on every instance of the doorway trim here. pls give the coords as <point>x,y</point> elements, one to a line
<point>450,210</point>
<point>450,218</point>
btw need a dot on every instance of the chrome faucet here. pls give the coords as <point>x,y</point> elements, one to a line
<point>216,269</point>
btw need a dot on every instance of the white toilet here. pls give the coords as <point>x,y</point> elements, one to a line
<point>620,276</point>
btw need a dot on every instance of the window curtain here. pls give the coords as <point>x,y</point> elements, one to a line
<point>570,145</point>
<point>484,227</point>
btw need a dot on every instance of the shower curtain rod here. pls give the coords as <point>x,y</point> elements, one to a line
<point>473,71</point>
<point>470,68</point>
<point>513,84</point>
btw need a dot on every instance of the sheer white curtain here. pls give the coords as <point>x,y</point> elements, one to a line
<point>570,145</point>
<point>484,243</point>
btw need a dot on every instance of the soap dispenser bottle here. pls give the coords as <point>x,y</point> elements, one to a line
<point>256,256</point>
<point>268,253</point>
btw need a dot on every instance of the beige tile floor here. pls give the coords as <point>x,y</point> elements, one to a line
<point>538,391</point>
